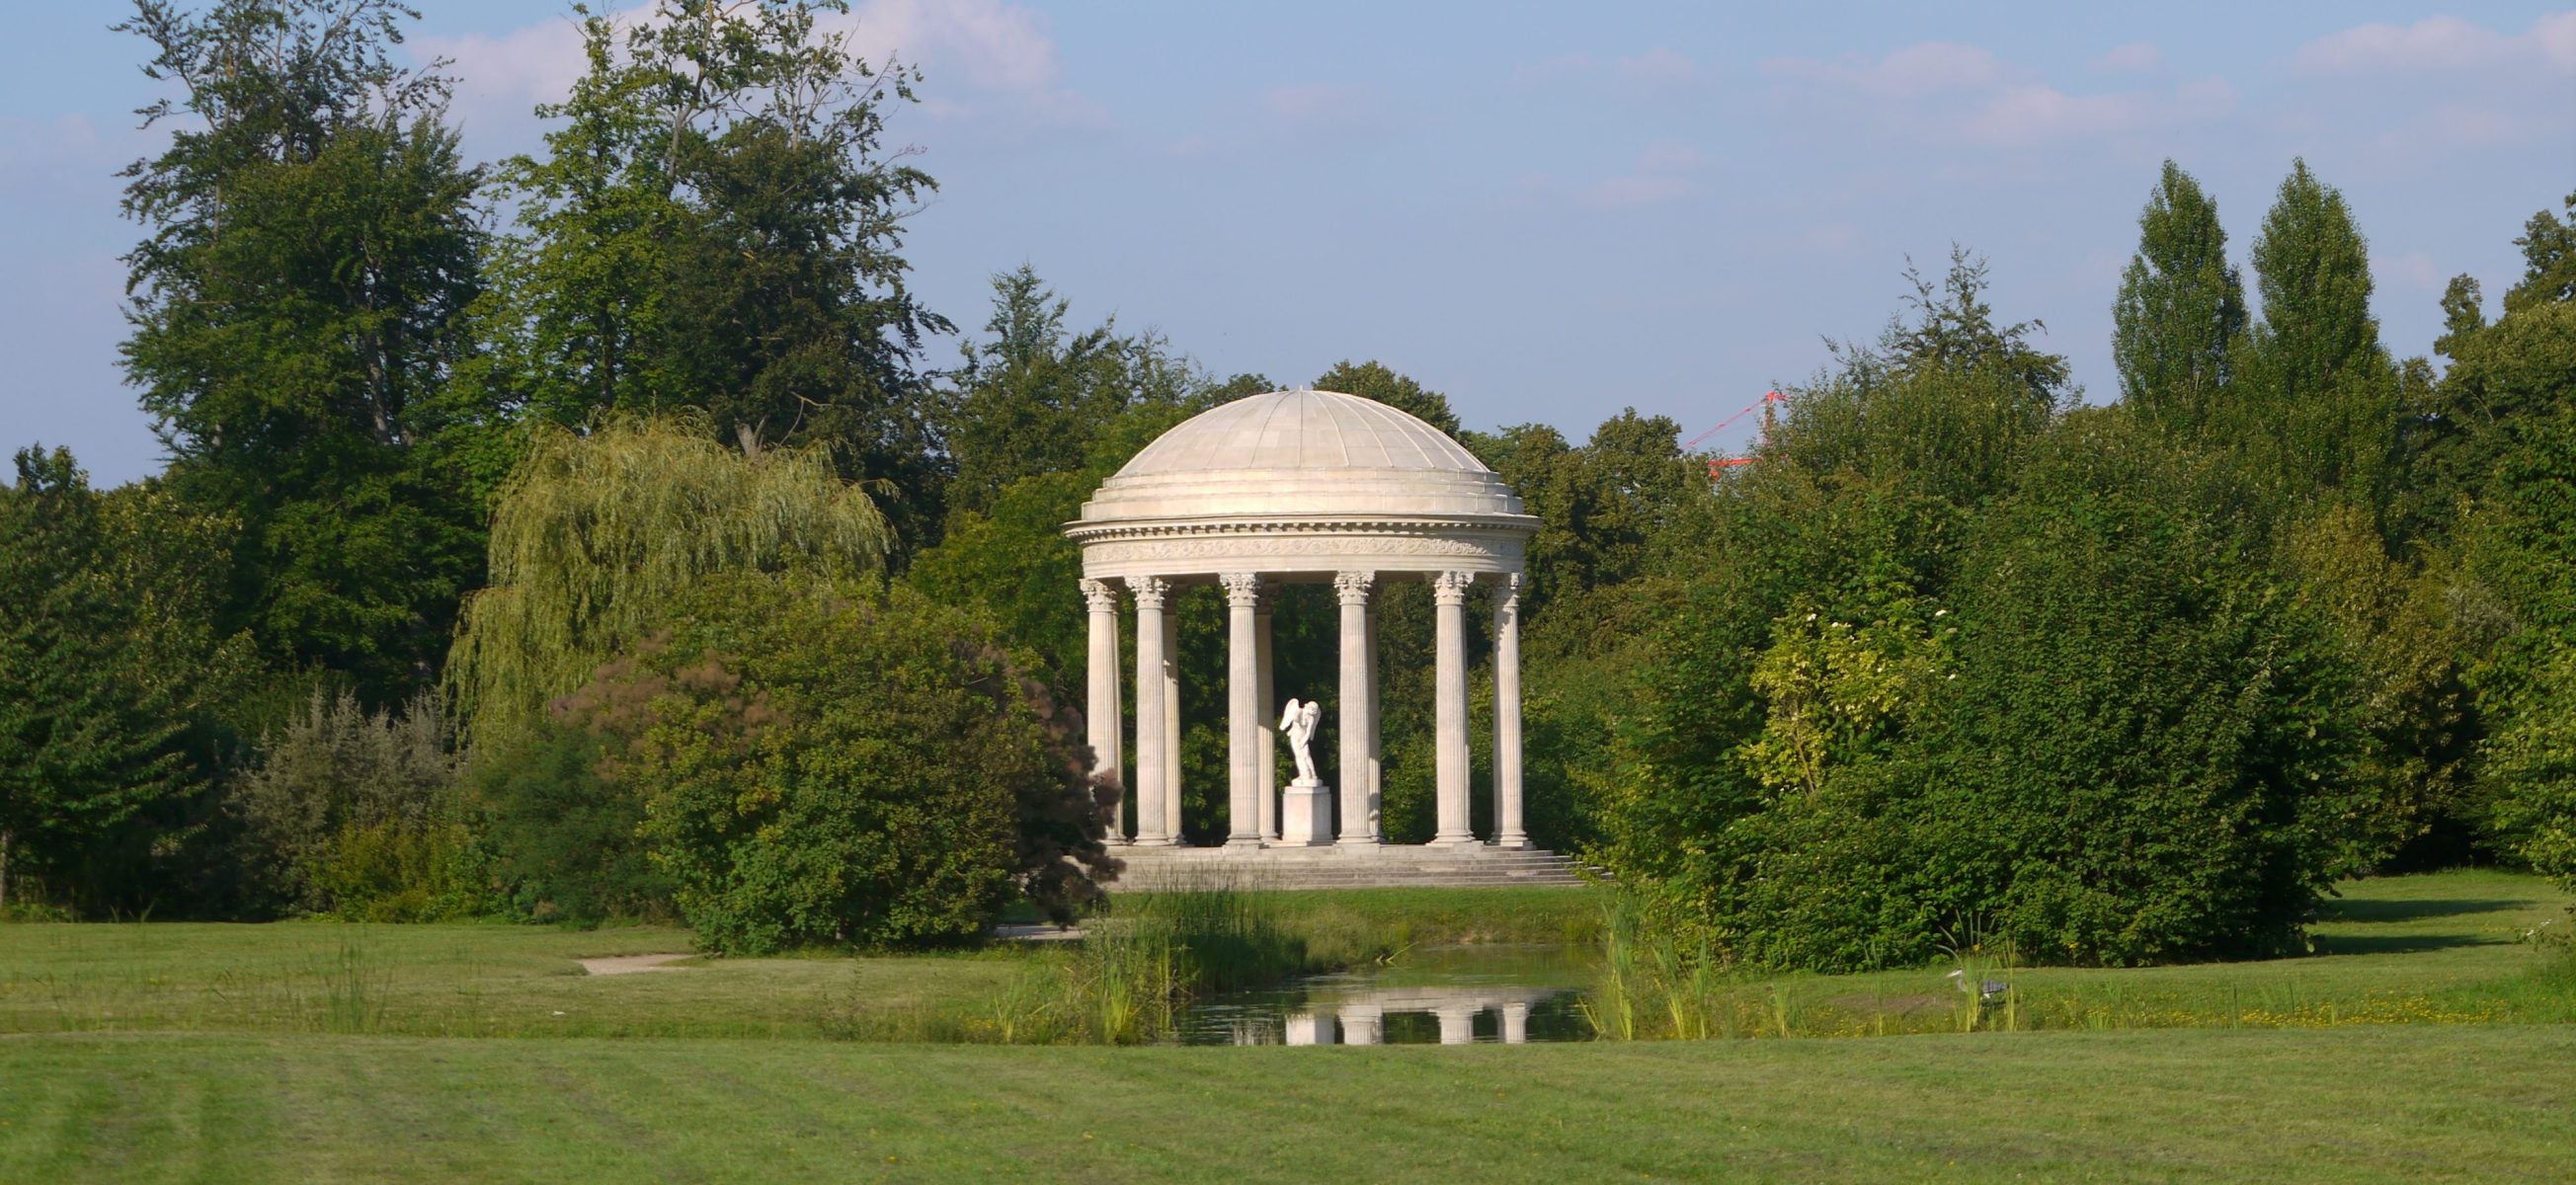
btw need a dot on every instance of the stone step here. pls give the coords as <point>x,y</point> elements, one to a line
<point>1336,868</point>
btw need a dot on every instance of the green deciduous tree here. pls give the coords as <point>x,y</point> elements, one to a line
<point>1602,506</point>
<point>296,313</point>
<point>1860,508</point>
<point>2520,546</point>
<point>110,671</point>
<point>1035,399</point>
<point>595,540</point>
<point>713,228</point>
<point>2505,377</point>
<point>2548,245</point>
<point>2180,308</point>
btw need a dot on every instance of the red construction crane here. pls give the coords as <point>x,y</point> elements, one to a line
<point>1718,465</point>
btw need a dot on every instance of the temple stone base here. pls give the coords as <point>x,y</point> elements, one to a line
<point>1341,866</point>
<point>1305,815</point>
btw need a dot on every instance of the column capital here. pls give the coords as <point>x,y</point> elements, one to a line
<point>1242,589</point>
<point>1512,585</point>
<point>1352,588</point>
<point>1101,595</point>
<point>1149,590</point>
<point>1450,588</point>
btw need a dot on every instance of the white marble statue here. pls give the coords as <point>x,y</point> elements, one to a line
<point>1298,721</point>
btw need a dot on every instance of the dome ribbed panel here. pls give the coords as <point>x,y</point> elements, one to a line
<point>1302,430</point>
<point>1303,453</point>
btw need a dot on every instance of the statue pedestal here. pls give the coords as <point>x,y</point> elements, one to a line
<point>1305,815</point>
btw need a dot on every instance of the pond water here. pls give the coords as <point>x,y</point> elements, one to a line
<point>1445,996</point>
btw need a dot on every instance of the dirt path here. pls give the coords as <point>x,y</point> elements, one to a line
<point>630,964</point>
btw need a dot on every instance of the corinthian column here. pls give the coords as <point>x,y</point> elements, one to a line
<point>1508,829</point>
<point>1357,727</point>
<point>1242,710</point>
<point>1449,593</point>
<point>1100,716</point>
<point>1153,816</point>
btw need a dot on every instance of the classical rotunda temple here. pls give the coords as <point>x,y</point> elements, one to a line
<point>1299,487</point>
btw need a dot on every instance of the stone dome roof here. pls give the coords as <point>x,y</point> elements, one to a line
<point>1303,454</point>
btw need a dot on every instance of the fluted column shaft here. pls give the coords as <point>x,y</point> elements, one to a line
<point>1100,715</point>
<point>1267,719</point>
<point>1172,721</point>
<point>1358,728</point>
<point>1449,594</point>
<point>1509,831</point>
<point>1376,737</point>
<point>1242,710</point>
<point>1154,818</point>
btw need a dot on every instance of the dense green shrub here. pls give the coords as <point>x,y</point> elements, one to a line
<point>2152,750</point>
<point>825,762</point>
<point>2523,548</point>
<point>564,838</point>
<point>355,813</point>
<point>2533,756</point>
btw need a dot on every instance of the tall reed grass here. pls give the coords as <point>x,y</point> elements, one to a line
<point>1141,959</point>
<point>1655,983</point>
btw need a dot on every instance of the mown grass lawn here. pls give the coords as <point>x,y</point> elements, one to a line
<point>2395,1103</point>
<point>318,1051</point>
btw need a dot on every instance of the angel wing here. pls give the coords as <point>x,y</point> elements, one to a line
<point>1288,714</point>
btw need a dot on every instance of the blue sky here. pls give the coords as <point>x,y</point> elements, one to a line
<point>1549,212</point>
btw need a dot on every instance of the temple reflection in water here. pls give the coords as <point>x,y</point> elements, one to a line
<point>1463,1014</point>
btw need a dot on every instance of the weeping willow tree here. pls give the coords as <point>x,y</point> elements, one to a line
<point>595,536</point>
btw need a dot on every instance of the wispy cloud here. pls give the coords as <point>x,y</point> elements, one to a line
<point>1669,156</point>
<point>2137,57</point>
<point>1656,67</point>
<point>1930,68</point>
<point>1628,192</point>
<point>1319,102</point>
<point>2442,43</point>
<point>1663,175</point>
<point>987,62</point>
<point>1949,90</point>
<point>1560,68</point>
<point>2034,113</point>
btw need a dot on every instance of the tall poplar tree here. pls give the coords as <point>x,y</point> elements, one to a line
<point>2326,394</point>
<point>2181,306</point>
<point>296,310</point>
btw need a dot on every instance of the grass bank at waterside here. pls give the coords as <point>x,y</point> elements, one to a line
<point>2439,948</point>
